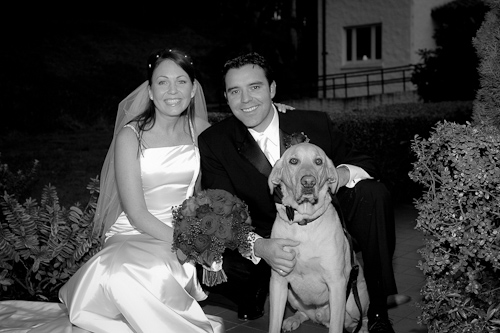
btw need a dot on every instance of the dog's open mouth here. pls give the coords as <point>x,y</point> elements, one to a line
<point>307,195</point>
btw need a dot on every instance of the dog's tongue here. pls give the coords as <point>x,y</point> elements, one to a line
<point>306,209</point>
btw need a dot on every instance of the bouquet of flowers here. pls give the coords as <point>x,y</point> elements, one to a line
<point>205,225</point>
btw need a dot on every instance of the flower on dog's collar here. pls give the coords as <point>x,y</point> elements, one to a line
<point>295,138</point>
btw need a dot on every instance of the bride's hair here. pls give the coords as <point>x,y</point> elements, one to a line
<point>147,118</point>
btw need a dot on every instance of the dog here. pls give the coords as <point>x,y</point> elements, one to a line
<point>317,286</point>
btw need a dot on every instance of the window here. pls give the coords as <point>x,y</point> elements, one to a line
<point>363,43</point>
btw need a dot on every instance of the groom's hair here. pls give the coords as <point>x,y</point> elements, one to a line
<point>252,58</point>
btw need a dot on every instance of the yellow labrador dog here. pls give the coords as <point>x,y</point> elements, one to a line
<point>317,286</point>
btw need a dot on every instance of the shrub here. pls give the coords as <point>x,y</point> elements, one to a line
<point>460,211</point>
<point>487,43</point>
<point>43,245</point>
<point>460,215</point>
<point>437,77</point>
<point>386,133</point>
<point>19,183</point>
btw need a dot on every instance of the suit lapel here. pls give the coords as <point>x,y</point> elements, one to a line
<point>249,148</point>
<point>252,152</point>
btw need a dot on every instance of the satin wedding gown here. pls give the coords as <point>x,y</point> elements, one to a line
<point>136,283</point>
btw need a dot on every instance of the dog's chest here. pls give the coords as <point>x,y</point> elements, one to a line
<point>320,257</point>
<point>315,270</point>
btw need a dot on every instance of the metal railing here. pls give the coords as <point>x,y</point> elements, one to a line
<point>343,83</point>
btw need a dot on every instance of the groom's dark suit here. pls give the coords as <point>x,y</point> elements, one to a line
<point>232,160</point>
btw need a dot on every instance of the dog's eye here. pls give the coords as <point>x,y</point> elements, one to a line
<point>294,161</point>
<point>318,161</point>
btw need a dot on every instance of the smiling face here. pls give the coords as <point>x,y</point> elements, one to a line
<point>249,95</point>
<point>171,88</point>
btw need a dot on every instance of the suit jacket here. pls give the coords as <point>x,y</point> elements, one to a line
<point>232,160</point>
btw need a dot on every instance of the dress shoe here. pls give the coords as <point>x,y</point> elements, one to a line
<point>250,313</point>
<point>380,324</point>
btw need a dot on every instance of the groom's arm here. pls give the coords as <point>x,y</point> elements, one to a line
<point>213,173</point>
<point>278,253</point>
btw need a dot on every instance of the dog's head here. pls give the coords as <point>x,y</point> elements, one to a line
<point>305,175</point>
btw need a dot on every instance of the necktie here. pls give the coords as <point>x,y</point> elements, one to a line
<point>263,141</point>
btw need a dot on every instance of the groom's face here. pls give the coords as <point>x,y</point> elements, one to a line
<point>249,95</point>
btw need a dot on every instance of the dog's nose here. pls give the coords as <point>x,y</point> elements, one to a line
<point>308,181</point>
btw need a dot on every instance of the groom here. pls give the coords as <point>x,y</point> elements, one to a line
<point>237,154</point>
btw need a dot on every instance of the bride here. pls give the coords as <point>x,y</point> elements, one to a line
<point>136,283</point>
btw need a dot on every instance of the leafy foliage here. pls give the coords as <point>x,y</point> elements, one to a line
<point>448,73</point>
<point>460,211</point>
<point>386,132</point>
<point>460,216</point>
<point>43,245</point>
<point>487,43</point>
<point>17,183</point>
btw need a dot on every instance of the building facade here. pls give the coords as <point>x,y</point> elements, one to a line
<point>379,37</point>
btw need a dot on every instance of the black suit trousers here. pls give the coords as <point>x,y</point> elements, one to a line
<point>369,218</point>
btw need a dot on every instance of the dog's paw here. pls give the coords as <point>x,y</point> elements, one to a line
<point>322,315</point>
<point>293,322</point>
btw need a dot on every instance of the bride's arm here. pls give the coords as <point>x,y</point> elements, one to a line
<point>129,183</point>
<point>283,108</point>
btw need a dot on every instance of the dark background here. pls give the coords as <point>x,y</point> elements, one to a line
<point>69,67</point>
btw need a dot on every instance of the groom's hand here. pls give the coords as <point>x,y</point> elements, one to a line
<point>278,253</point>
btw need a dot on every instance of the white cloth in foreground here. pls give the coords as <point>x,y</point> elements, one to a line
<point>48,317</point>
<point>35,317</point>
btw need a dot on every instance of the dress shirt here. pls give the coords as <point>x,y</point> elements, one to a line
<point>269,139</point>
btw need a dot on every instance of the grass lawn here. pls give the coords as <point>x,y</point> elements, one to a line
<point>67,160</point>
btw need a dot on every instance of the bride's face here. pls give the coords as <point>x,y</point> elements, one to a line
<point>171,89</point>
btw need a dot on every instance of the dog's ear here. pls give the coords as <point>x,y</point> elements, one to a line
<point>275,176</point>
<point>332,176</point>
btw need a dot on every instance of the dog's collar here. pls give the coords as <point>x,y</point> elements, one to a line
<point>290,213</point>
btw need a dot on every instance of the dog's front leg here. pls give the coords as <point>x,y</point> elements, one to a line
<point>278,291</point>
<point>337,305</point>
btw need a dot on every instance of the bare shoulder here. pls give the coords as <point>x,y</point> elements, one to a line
<point>127,137</point>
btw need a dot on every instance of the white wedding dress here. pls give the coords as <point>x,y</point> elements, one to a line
<point>136,283</point>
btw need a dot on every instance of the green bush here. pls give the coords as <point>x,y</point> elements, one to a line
<point>18,183</point>
<point>43,245</point>
<point>386,132</point>
<point>437,77</point>
<point>459,214</point>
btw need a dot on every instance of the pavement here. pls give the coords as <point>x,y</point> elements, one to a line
<point>409,279</point>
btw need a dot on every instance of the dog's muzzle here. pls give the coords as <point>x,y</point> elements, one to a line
<point>307,192</point>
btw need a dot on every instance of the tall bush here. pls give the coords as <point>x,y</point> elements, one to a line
<point>459,211</point>
<point>448,73</point>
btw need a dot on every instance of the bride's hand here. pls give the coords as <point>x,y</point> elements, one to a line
<point>283,108</point>
<point>216,266</point>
